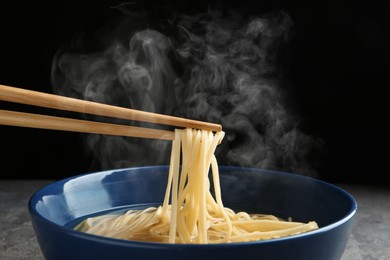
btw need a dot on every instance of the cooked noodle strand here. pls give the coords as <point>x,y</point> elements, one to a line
<point>190,213</point>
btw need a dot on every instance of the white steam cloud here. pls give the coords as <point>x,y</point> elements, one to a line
<point>217,67</point>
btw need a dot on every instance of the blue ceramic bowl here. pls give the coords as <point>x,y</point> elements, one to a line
<point>57,207</point>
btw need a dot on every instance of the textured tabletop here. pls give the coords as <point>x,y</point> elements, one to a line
<point>370,238</point>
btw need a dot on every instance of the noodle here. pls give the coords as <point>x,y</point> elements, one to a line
<point>194,215</point>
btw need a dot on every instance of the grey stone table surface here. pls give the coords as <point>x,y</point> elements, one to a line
<point>370,238</point>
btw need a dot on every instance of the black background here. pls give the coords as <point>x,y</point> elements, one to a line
<point>337,70</point>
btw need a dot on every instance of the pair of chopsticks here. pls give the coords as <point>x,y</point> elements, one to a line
<point>35,98</point>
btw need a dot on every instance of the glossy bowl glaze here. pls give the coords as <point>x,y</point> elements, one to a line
<point>57,207</point>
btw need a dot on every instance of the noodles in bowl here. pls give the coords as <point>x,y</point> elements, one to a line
<point>58,207</point>
<point>194,216</point>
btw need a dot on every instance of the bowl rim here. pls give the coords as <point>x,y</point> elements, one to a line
<point>130,243</point>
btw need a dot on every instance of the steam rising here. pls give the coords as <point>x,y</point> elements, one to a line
<point>217,67</point>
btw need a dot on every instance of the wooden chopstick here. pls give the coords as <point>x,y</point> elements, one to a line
<point>22,119</point>
<point>35,98</point>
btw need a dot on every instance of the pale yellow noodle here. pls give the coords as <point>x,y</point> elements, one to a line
<point>190,213</point>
